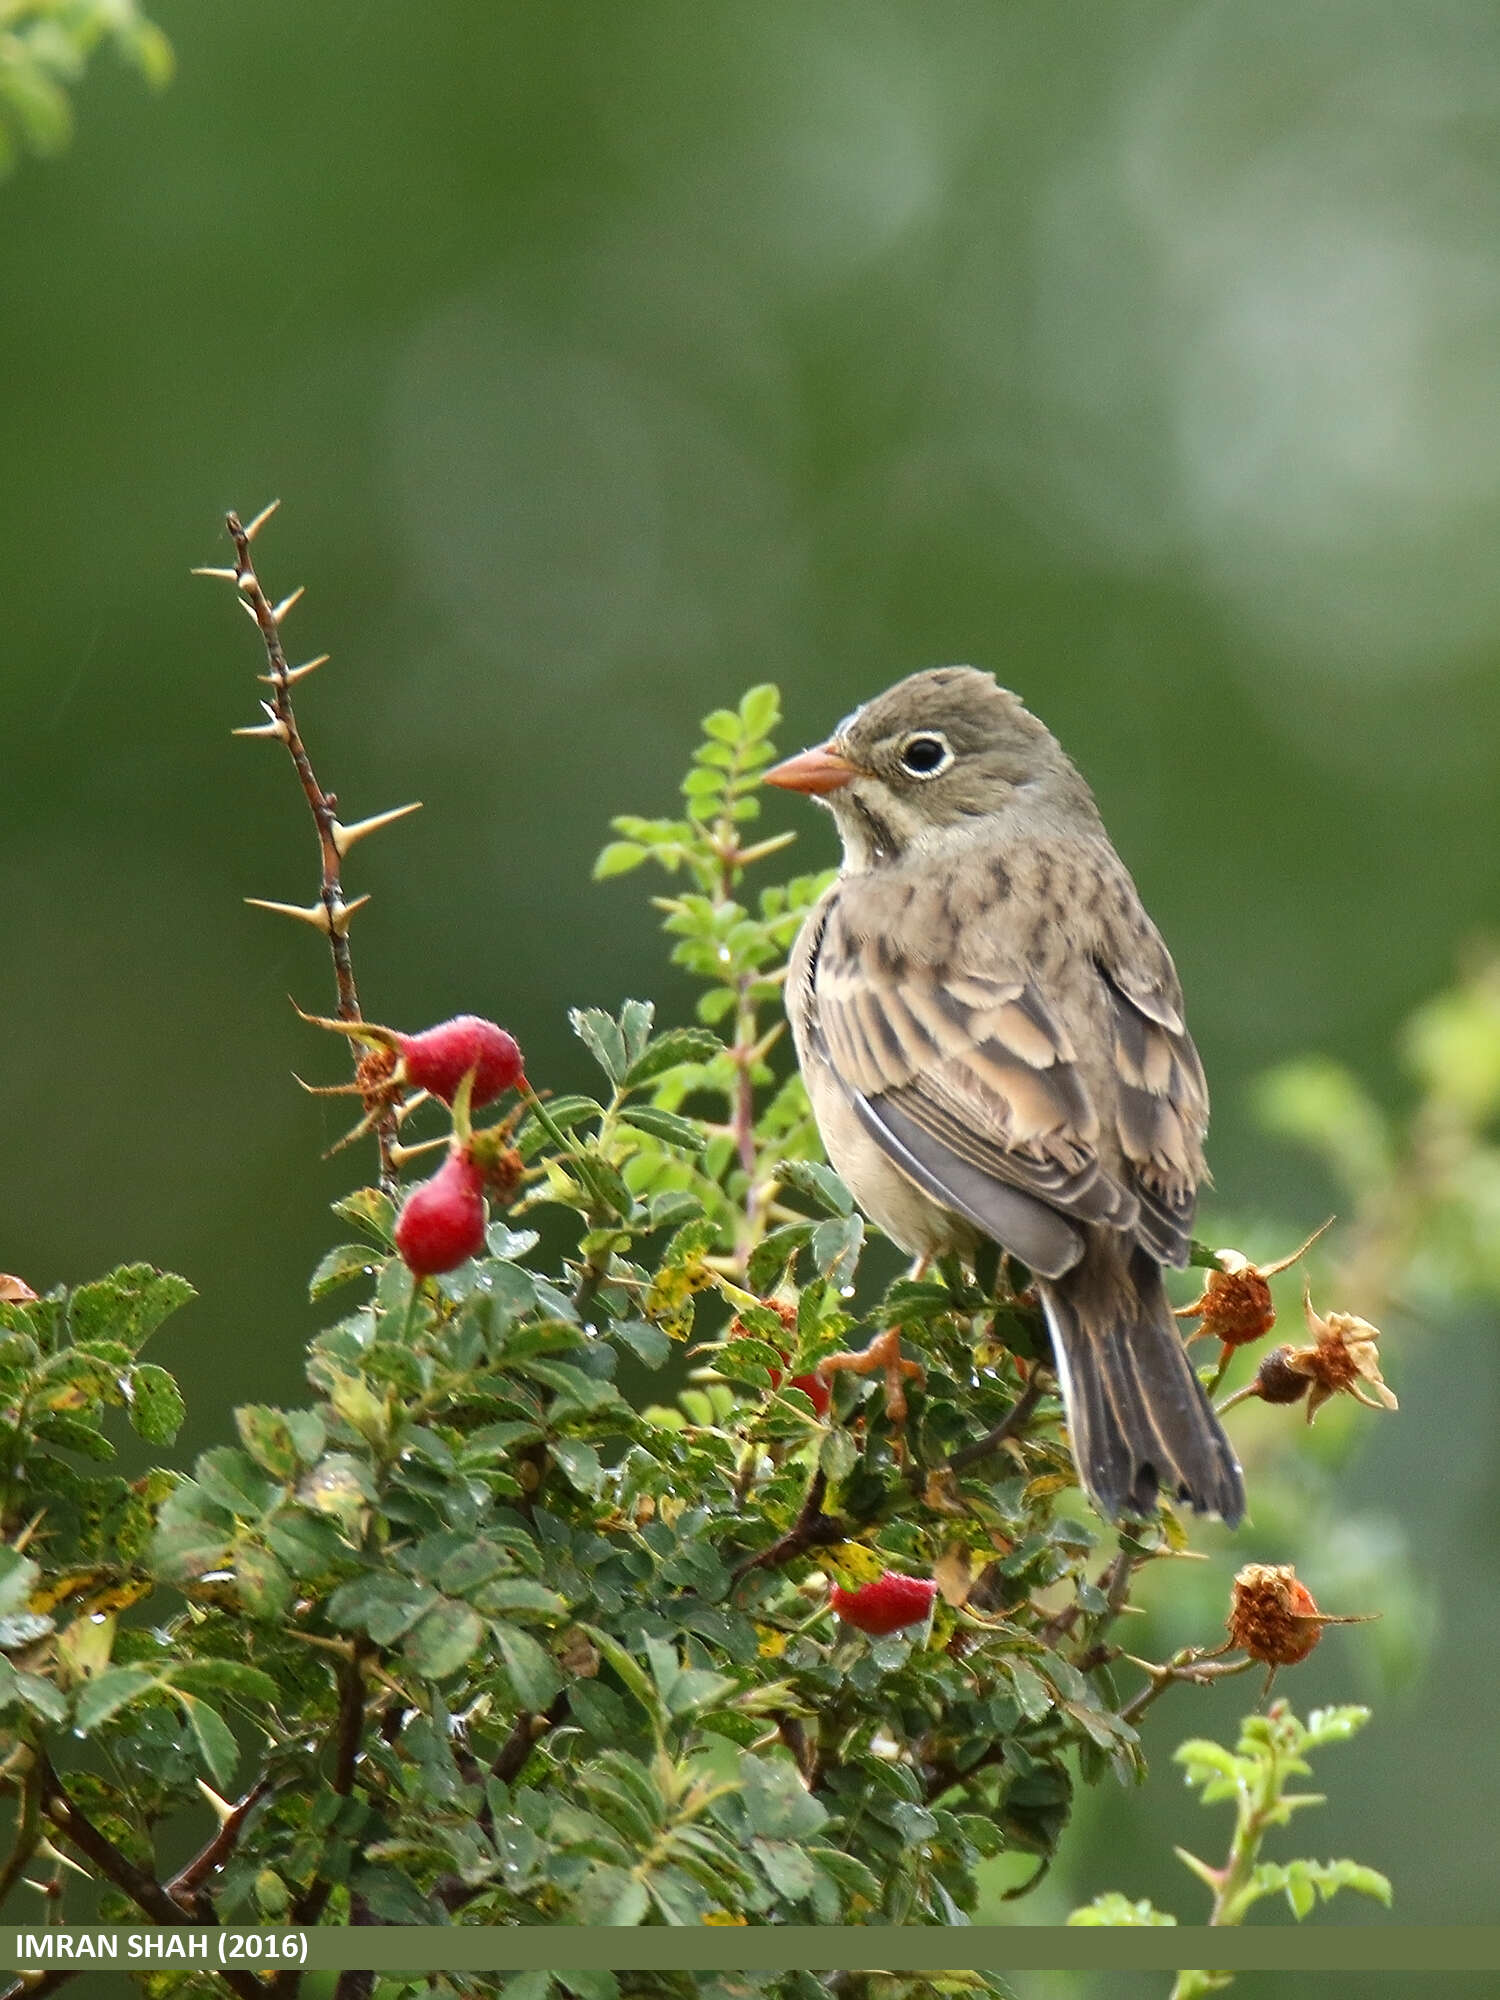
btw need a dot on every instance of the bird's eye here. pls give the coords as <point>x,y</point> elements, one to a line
<point>926,754</point>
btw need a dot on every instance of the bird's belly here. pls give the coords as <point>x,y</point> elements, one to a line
<point>912,1219</point>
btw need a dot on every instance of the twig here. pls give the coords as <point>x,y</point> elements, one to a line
<point>1114,1581</point>
<point>74,1825</point>
<point>812,1529</point>
<point>188,1881</point>
<point>1010,1426</point>
<point>330,914</point>
<point>34,1989</point>
<point>349,1732</point>
<point>1191,1664</point>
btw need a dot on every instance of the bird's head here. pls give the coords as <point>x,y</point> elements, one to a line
<point>932,761</point>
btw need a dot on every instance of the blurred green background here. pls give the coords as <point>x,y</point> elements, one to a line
<point>609,359</point>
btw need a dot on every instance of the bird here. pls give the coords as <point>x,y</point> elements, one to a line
<point>991,1033</point>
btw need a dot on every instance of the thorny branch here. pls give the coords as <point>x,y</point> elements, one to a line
<point>812,1529</point>
<point>331,913</point>
<point>71,1824</point>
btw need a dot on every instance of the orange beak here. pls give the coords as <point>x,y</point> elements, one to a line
<point>814,771</point>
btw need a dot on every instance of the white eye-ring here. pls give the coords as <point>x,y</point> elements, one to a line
<point>926,753</point>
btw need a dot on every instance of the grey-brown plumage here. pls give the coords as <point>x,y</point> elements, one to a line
<point>991,1033</point>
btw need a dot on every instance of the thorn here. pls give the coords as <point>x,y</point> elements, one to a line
<point>52,1853</point>
<point>280,610</point>
<point>245,605</point>
<point>225,575</point>
<point>223,1811</point>
<point>343,916</point>
<point>327,1089</point>
<point>250,533</point>
<point>344,837</point>
<point>296,673</point>
<point>315,914</point>
<point>399,1155</point>
<point>275,727</point>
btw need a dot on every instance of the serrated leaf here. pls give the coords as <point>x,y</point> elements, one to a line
<point>649,1342</point>
<point>836,1245</point>
<point>443,1639</point>
<point>232,1481</point>
<point>213,1738</point>
<point>371,1210</point>
<point>265,1588</point>
<point>602,1038</point>
<point>382,1603</point>
<point>217,1676</point>
<point>579,1464</point>
<point>666,1126</point>
<point>129,1305</point>
<point>670,1048</point>
<point>156,1405</point>
<point>532,1673</point>
<point>340,1267</point>
<point>820,1183</point>
<point>106,1694</point>
<point>267,1437</point>
<point>516,1596</point>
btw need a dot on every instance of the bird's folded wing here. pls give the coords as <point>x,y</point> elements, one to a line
<point>1161,1104</point>
<point>972,1087</point>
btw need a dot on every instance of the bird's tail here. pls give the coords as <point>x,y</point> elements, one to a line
<point>1139,1421</point>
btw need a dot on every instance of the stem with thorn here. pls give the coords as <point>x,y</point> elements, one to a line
<point>331,913</point>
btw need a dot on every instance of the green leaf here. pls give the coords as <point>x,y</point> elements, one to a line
<point>760,710</point>
<point>603,1039</point>
<point>233,1482</point>
<point>18,1578</point>
<point>214,1739</point>
<point>611,1896</point>
<point>532,1673</point>
<point>1115,1909</point>
<point>156,1405</point>
<point>267,1436</point>
<point>527,1986</point>
<point>777,1802</point>
<point>517,1596</point>
<point>382,1603</point>
<point>339,1267</point>
<point>128,1306</point>
<point>836,1246</point>
<point>578,1463</point>
<point>263,1585</point>
<point>216,1676</point>
<point>370,1209</point>
<point>590,1985</point>
<point>820,1183</point>
<point>33,1692</point>
<point>669,1049</point>
<point>665,1125</point>
<point>627,1667</point>
<point>649,1342</point>
<point>444,1639</point>
<point>106,1694</point>
<point>618,858</point>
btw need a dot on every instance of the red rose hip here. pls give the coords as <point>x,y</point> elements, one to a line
<point>885,1605</point>
<point>442,1221</point>
<point>440,1058</point>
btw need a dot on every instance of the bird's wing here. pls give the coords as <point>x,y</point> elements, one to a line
<point>969,1083</point>
<point>1161,1098</point>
